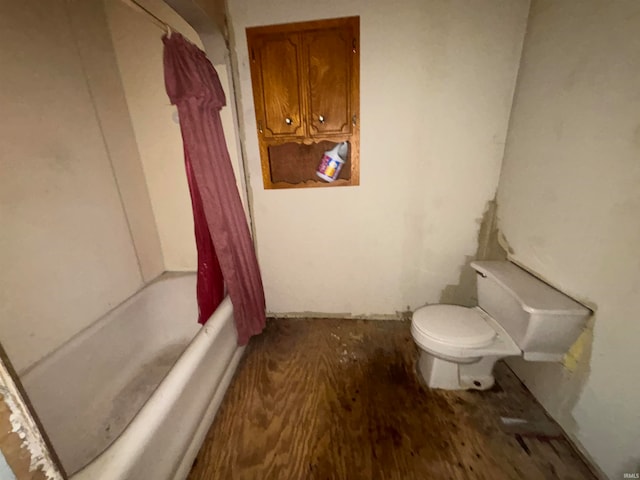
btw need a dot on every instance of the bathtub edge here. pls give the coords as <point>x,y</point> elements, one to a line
<point>117,461</point>
<point>207,419</point>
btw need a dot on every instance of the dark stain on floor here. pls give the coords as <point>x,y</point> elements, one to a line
<point>341,399</point>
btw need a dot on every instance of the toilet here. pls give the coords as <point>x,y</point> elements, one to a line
<point>517,315</point>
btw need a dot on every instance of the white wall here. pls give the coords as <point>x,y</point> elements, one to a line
<point>66,253</point>
<point>93,39</point>
<point>569,203</point>
<point>437,79</point>
<point>138,45</point>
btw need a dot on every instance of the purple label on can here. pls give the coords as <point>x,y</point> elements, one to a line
<point>324,163</point>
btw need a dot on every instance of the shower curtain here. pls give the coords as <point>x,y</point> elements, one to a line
<point>226,255</point>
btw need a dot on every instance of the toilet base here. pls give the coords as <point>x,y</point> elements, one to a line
<point>450,375</point>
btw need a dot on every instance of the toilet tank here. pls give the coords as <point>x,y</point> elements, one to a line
<point>543,321</point>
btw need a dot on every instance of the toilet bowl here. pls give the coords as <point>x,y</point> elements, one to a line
<point>517,314</point>
<point>460,346</point>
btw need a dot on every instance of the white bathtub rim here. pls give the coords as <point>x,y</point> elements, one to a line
<point>199,435</point>
<point>117,458</point>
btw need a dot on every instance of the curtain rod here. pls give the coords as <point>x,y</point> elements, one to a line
<point>154,18</point>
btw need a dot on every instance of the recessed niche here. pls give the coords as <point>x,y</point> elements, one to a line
<point>306,93</point>
<point>296,163</point>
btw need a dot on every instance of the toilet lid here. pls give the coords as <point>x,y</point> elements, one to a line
<point>454,325</point>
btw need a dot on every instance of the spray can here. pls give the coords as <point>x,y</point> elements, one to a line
<point>332,162</point>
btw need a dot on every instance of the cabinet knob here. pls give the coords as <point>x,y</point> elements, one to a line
<point>288,121</point>
<point>321,118</point>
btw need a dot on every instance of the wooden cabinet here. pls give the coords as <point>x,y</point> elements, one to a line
<point>278,95</point>
<point>305,80</point>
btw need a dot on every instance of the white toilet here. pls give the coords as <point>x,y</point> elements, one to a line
<point>517,315</point>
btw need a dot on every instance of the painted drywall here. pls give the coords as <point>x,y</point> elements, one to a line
<point>138,47</point>
<point>207,18</point>
<point>216,11</point>
<point>568,206</point>
<point>437,81</point>
<point>66,252</point>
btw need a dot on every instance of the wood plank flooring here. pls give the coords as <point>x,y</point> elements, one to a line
<point>340,399</point>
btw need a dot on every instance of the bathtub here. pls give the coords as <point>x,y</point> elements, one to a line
<point>133,395</point>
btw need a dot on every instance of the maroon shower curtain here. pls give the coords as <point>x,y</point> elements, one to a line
<point>225,249</point>
<point>210,285</point>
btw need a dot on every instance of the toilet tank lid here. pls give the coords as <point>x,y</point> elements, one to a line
<point>534,295</point>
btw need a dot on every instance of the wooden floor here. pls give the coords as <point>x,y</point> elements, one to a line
<point>340,399</point>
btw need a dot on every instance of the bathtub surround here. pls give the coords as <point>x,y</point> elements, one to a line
<point>136,40</point>
<point>91,31</point>
<point>193,86</point>
<point>569,203</point>
<point>149,419</point>
<point>74,215</point>
<point>67,252</point>
<point>79,201</point>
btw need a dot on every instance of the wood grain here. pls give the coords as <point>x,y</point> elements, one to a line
<point>328,62</point>
<point>297,162</point>
<point>340,399</point>
<point>277,59</point>
<point>306,89</point>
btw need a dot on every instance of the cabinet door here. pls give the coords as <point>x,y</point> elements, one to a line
<point>278,96</point>
<point>329,61</point>
<point>306,84</point>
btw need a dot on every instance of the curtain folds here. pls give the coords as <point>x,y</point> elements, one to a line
<point>210,286</point>
<point>222,235</point>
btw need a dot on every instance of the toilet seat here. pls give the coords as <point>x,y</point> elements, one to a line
<point>501,344</point>
<point>453,325</point>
